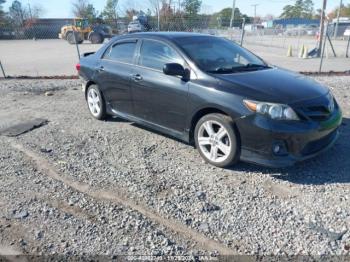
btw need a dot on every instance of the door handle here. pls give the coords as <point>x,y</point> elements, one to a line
<point>101,69</point>
<point>137,77</point>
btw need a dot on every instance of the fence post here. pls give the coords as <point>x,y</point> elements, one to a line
<point>323,48</point>
<point>76,44</point>
<point>330,42</point>
<point>347,48</point>
<point>2,69</point>
<point>243,31</point>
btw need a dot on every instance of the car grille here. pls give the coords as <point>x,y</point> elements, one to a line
<point>317,145</point>
<point>317,113</point>
<point>319,109</point>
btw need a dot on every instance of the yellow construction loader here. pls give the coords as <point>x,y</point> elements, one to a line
<point>81,30</point>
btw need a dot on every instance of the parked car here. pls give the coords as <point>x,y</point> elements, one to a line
<point>294,31</point>
<point>135,26</point>
<point>347,31</point>
<point>210,92</point>
<point>310,30</point>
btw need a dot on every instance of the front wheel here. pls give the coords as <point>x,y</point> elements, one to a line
<point>217,140</point>
<point>96,102</point>
<point>96,38</point>
<point>73,38</point>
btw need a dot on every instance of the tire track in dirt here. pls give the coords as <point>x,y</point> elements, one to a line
<point>47,169</point>
<point>11,254</point>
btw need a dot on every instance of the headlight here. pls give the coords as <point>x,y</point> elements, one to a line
<point>274,111</point>
<point>331,103</point>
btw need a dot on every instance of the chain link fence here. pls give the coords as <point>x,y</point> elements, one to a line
<point>33,48</point>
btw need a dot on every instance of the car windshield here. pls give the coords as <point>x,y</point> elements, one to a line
<point>218,55</point>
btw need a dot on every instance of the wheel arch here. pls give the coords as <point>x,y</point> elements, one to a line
<point>90,83</point>
<point>205,111</point>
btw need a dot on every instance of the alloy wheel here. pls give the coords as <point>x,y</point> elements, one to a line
<point>94,102</point>
<point>214,141</point>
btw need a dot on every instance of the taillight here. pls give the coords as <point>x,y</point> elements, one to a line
<point>77,67</point>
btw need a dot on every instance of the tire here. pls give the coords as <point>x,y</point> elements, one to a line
<point>96,103</point>
<point>221,149</point>
<point>96,38</point>
<point>71,39</point>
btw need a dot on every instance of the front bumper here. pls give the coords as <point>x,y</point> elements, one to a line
<point>297,140</point>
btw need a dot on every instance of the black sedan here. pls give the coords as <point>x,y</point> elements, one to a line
<point>210,92</point>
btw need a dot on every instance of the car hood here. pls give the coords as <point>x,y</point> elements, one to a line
<point>273,85</point>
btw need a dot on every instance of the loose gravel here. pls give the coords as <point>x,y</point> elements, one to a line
<point>148,183</point>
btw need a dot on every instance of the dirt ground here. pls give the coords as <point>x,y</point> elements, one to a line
<point>78,186</point>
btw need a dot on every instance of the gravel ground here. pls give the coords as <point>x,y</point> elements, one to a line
<point>83,187</point>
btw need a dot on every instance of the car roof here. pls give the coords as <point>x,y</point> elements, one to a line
<point>163,35</point>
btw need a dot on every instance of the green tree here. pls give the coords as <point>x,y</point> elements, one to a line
<point>18,13</point>
<point>301,9</point>
<point>192,7</point>
<point>223,18</point>
<point>83,9</point>
<point>90,13</point>
<point>110,11</point>
<point>79,7</point>
<point>307,9</point>
<point>344,12</point>
<point>1,8</point>
<point>2,13</point>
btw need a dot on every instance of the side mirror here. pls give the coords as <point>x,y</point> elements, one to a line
<point>174,69</point>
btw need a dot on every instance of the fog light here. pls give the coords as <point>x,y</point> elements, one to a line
<point>276,149</point>
<point>279,148</point>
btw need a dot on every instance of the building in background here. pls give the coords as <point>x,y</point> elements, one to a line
<point>42,28</point>
<point>294,22</point>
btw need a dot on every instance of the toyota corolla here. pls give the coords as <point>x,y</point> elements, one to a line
<point>214,94</point>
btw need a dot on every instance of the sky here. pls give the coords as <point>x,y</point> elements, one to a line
<point>62,8</point>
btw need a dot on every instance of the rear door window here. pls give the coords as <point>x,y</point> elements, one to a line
<point>121,52</point>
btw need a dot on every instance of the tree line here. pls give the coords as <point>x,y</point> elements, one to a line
<point>306,9</point>
<point>183,13</point>
<point>166,11</point>
<point>18,13</point>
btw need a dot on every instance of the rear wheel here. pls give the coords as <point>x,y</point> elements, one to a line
<point>96,102</point>
<point>217,141</point>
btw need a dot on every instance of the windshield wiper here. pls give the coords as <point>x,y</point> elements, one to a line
<point>250,67</point>
<point>221,70</point>
<point>247,67</point>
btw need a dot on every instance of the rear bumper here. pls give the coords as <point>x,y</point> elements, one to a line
<point>298,141</point>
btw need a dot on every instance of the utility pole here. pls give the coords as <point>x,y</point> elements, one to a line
<point>255,12</point>
<point>158,15</point>
<point>338,16</point>
<point>323,16</point>
<point>233,13</point>
<point>30,11</point>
